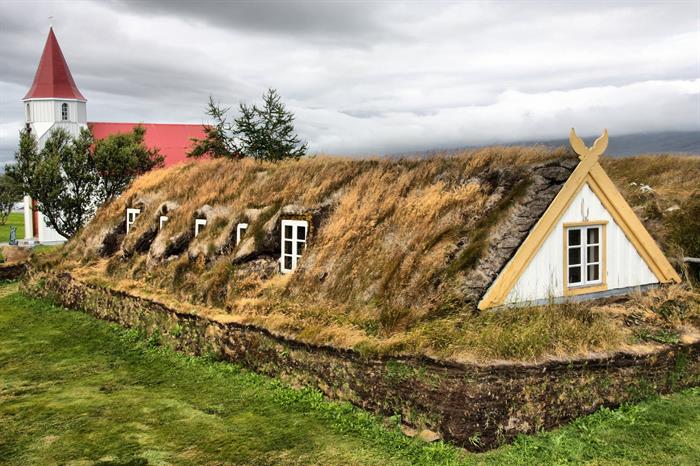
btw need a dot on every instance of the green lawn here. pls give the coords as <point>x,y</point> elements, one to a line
<point>15,219</point>
<point>76,389</point>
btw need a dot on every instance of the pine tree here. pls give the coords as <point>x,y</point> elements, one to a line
<point>218,138</point>
<point>121,157</point>
<point>263,133</point>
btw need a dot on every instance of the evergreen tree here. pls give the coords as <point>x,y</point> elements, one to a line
<point>121,157</point>
<point>10,194</point>
<point>70,177</point>
<point>61,178</point>
<point>218,137</point>
<point>264,133</point>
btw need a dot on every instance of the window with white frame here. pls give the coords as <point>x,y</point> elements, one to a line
<point>64,112</point>
<point>199,224</point>
<point>131,215</point>
<point>584,255</point>
<point>29,113</point>
<point>240,231</point>
<point>294,234</point>
<point>161,221</point>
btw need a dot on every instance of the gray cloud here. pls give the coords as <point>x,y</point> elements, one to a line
<point>356,22</point>
<point>372,77</point>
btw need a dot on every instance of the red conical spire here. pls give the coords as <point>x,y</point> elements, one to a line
<point>53,78</point>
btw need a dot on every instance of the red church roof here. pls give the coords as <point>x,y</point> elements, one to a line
<point>53,78</point>
<point>173,140</point>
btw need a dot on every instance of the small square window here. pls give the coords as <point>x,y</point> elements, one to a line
<point>240,231</point>
<point>294,235</point>
<point>574,275</point>
<point>583,255</point>
<point>131,215</point>
<point>593,273</point>
<point>593,234</point>
<point>574,237</point>
<point>593,253</point>
<point>199,225</point>
<point>574,256</point>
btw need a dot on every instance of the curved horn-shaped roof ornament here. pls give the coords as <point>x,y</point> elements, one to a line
<point>596,150</point>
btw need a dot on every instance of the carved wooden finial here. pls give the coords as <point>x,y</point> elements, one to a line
<point>596,150</point>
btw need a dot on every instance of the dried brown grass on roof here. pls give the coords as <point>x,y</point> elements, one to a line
<point>374,277</point>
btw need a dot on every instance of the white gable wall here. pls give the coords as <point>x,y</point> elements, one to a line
<point>544,276</point>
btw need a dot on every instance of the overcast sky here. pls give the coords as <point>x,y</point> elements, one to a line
<point>372,77</point>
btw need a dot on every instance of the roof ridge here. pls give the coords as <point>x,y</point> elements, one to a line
<point>53,78</point>
<point>142,123</point>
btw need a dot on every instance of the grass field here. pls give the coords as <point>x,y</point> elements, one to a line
<point>77,390</point>
<point>16,219</point>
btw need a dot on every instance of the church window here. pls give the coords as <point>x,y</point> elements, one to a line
<point>293,243</point>
<point>29,113</point>
<point>64,112</point>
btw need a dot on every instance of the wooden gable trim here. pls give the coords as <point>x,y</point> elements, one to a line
<point>499,289</point>
<point>588,170</point>
<point>634,230</point>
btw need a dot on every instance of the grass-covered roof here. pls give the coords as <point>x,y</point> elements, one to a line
<point>399,251</point>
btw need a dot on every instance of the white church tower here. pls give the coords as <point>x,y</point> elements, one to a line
<point>53,101</point>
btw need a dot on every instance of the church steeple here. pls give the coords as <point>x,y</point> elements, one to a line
<point>53,79</point>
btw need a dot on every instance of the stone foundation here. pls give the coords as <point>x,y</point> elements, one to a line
<point>478,407</point>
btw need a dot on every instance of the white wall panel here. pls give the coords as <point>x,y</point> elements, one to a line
<point>544,276</point>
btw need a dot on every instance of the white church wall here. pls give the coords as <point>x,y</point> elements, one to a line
<point>82,112</point>
<point>28,224</point>
<point>544,276</point>
<point>41,111</point>
<point>76,111</point>
<point>48,234</point>
<point>46,116</point>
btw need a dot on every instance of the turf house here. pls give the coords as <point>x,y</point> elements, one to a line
<point>402,238</point>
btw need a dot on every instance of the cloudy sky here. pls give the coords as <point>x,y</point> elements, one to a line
<point>372,77</point>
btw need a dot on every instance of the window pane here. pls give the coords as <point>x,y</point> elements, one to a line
<point>593,254</point>
<point>574,256</point>
<point>574,275</point>
<point>593,272</point>
<point>593,235</point>
<point>288,231</point>
<point>288,246</point>
<point>288,262</point>
<point>301,232</point>
<point>574,237</point>
<point>300,247</point>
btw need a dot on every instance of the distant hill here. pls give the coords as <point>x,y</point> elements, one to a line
<point>676,142</point>
<point>669,142</point>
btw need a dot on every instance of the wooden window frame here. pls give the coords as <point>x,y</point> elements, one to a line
<point>240,231</point>
<point>65,112</point>
<point>586,287</point>
<point>294,254</point>
<point>199,222</point>
<point>134,214</point>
